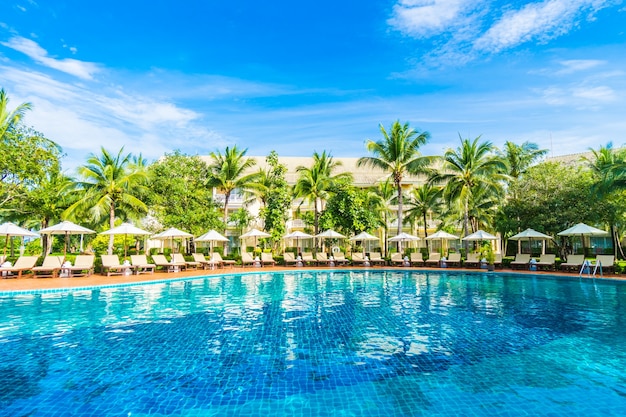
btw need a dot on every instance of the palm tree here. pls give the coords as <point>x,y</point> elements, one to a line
<point>10,119</point>
<point>520,157</point>
<point>315,182</point>
<point>397,153</point>
<point>227,172</point>
<point>380,200</point>
<point>111,184</point>
<point>425,199</point>
<point>467,169</point>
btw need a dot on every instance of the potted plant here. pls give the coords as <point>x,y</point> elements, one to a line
<point>489,256</point>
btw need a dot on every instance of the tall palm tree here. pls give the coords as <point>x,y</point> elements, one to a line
<point>520,157</point>
<point>227,172</point>
<point>315,182</point>
<point>425,199</point>
<point>380,200</point>
<point>111,184</point>
<point>10,119</point>
<point>397,153</point>
<point>471,167</point>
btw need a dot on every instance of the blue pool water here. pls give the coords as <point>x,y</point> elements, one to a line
<point>344,343</point>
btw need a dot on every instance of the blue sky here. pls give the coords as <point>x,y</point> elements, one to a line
<point>298,77</point>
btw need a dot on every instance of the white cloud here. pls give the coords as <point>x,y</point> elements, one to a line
<point>80,69</point>
<point>536,22</point>
<point>579,96</point>
<point>424,18</point>
<point>575,65</point>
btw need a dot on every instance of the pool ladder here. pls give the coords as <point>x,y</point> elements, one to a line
<point>586,267</point>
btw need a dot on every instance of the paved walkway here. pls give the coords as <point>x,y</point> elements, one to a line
<point>29,283</point>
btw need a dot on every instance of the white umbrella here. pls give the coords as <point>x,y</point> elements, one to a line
<point>66,228</point>
<point>298,235</point>
<point>211,236</point>
<point>442,235</point>
<point>9,230</point>
<point>530,235</point>
<point>582,230</point>
<point>480,235</point>
<point>330,234</point>
<point>172,233</point>
<point>364,236</point>
<point>125,229</point>
<point>403,237</point>
<point>255,233</point>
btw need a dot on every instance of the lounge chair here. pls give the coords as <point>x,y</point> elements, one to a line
<point>179,258</point>
<point>83,266</point>
<point>23,263</point>
<point>377,259</point>
<point>397,259</point>
<point>340,258</point>
<point>322,259</point>
<point>607,262</point>
<point>111,266</point>
<point>522,261</point>
<point>216,257</point>
<point>417,259</point>
<point>472,261</point>
<point>247,259</point>
<point>161,262</point>
<point>206,263</point>
<point>308,259</point>
<point>497,263</point>
<point>141,265</point>
<point>290,259</point>
<point>454,259</point>
<point>51,267</point>
<point>574,263</point>
<point>267,259</point>
<point>358,259</point>
<point>433,259</point>
<point>547,261</point>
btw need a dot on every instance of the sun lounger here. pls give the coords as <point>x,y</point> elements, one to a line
<point>51,267</point>
<point>607,262</point>
<point>377,259</point>
<point>397,259</point>
<point>322,259</point>
<point>83,266</point>
<point>417,259</point>
<point>290,259</point>
<point>23,263</point>
<point>433,259</point>
<point>215,256</point>
<point>267,259</point>
<point>179,258</point>
<point>522,261</point>
<point>497,263</point>
<point>546,262</point>
<point>574,263</point>
<point>472,261</point>
<point>454,259</point>
<point>161,262</point>
<point>308,259</point>
<point>206,263</point>
<point>340,258</point>
<point>141,265</point>
<point>247,259</point>
<point>111,266</point>
<point>358,259</point>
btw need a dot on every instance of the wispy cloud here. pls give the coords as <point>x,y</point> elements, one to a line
<point>571,66</point>
<point>80,69</point>
<point>426,18</point>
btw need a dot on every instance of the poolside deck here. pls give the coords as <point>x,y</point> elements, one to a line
<point>28,282</point>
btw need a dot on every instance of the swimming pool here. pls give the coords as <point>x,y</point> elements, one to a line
<point>343,343</point>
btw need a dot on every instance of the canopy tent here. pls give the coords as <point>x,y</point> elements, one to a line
<point>530,235</point>
<point>125,229</point>
<point>582,230</point>
<point>211,236</point>
<point>66,228</point>
<point>9,230</point>
<point>298,235</point>
<point>172,233</point>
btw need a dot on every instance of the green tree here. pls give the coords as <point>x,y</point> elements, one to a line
<point>470,168</point>
<point>10,119</point>
<point>398,154</point>
<point>347,210</point>
<point>109,185</point>
<point>276,196</point>
<point>425,199</point>
<point>314,183</point>
<point>178,195</point>
<point>520,157</point>
<point>379,201</point>
<point>227,173</point>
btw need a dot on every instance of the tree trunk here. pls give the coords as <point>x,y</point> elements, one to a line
<point>399,186</point>
<point>111,225</point>
<point>465,222</point>
<point>426,233</point>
